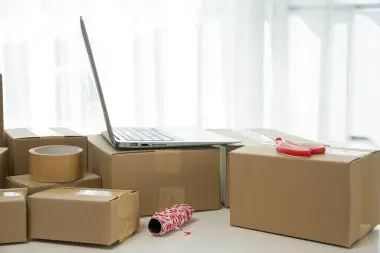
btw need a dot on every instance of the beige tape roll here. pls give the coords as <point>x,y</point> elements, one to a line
<point>55,163</point>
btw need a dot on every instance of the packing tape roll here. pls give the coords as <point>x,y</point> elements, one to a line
<point>55,163</point>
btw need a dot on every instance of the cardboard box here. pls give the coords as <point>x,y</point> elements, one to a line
<point>247,137</point>
<point>4,162</point>
<point>20,140</point>
<point>163,177</point>
<point>88,180</point>
<point>13,216</point>
<point>2,141</point>
<point>331,198</point>
<point>96,216</point>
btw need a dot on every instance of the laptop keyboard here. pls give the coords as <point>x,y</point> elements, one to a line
<point>142,134</point>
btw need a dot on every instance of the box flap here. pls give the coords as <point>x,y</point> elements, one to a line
<point>246,136</point>
<point>23,133</point>
<point>12,194</point>
<point>83,194</point>
<point>273,134</point>
<point>333,154</point>
<point>99,141</point>
<point>254,137</point>
<point>128,220</point>
<point>66,132</point>
<point>26,181</point>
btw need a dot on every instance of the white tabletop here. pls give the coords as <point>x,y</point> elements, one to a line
<point>211,232</point>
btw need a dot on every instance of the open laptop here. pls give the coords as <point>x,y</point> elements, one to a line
<point>137,137</point>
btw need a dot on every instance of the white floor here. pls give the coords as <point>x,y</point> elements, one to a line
<point>211,232</point>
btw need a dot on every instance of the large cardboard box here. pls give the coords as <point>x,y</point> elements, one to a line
<point>13,215</point>
<point>96,216</point>
<point>20,140</point>
<point>4,162</point>
<point>247,137</point>
<point>331,198</point>
<point>88,180</point>
<point>2,142</point>
<point>163,177</point>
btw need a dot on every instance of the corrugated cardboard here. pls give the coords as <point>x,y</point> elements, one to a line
<point>88,180</point>
<point>247,137</point>
<point>96,216</point>
<point>331,198</point>
<point>13,216</point>
<point>2,142</point>
<point>4,162</point>
<point>20,140</point>
<point>163,177</point>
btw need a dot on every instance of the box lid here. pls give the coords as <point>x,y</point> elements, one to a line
<point>12,194</point>
<point>23,133</point>
<point>333,154</point>
<point>84,194</point>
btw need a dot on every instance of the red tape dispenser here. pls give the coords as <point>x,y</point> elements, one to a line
<point>294,149</point>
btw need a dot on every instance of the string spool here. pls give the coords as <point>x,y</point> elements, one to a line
<point>170,219</point>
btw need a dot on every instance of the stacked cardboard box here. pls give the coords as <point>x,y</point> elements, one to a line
<point>330,198</point>
<point>78,211</point>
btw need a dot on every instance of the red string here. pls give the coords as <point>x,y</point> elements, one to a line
<point>174,218</point>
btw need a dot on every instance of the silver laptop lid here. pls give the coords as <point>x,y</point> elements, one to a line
<point>97,82</point>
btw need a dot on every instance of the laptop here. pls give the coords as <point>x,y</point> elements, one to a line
<point>148,137</point>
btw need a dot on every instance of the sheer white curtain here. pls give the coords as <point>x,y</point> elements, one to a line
<point>333,63</point>
<point>166,63</point>
<point>306,67</point>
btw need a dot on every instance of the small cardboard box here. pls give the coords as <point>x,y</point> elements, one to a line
<point>88,180</point>
<point>2,141</point>
<point>13,216</point>
<point>4,162</point>
<point>20,140</point>
<point>247,137</point>
<point>163,177</point>
<point>331,198</point>
<point>96,216</point>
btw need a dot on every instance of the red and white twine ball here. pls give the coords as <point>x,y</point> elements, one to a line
<point>171,218</point>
